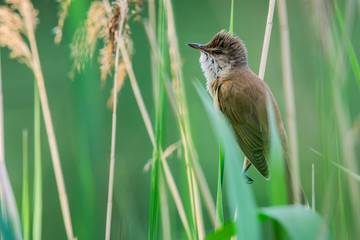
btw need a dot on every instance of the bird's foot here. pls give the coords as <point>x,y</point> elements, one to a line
<point>249,180</point>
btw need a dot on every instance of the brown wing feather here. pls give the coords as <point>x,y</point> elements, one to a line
<point>235,102</point>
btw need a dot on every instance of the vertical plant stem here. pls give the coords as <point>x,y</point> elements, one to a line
<point>289,97</point>
<point>50,132</point>
<point>37,218</point>
<point>2,148</point>
<point>25,189</point>
<point>165,216</point>
<point>313,187</point>
<point>9,212</point>
<point>219,202</point>
<point>2,141</point>
<point>190,156</point>
<point>266,43</point>
<point>199,219</point>
<point>153,58</point>
<point>113,133</point>
<point>137,93</point>
<point>341,200</point>
<point>168,176</point>
<point>174,191</point>
<point>231,28</point>
<point>159,93</point>
<point>9,215</point>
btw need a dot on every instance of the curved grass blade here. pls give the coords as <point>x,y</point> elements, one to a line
<point>350,49</point>
<point>219,201</point>
<point>239,194</point>
<point>299,222</point>
<point>277,183</point>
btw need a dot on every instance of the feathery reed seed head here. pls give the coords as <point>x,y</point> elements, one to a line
<point>15,20</point>
<point>105,25</point>
<point>64,7</point>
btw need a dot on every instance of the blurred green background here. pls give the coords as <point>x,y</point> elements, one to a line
<point>82,120</point>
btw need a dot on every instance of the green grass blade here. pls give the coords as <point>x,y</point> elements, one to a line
<point>348,171</point>
<point>37,217</point>
<point>159,126</point>
<point>225,232</point>
<point>350,49</point>
<point>341,198</point>
<point>10,226</point>
<point>239,194</point>
<point>219,201</point>
<point>299,222</point>
<point>231,28</point>
<point>277,183</point>
<point>25,189</point>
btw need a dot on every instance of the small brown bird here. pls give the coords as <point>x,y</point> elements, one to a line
<point>241,95</point>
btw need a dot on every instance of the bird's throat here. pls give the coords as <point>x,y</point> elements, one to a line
<point>212,70</point>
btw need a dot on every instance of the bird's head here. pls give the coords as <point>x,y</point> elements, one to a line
<point>224,50</point>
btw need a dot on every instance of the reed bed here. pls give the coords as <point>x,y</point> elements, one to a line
<point>183,196</point>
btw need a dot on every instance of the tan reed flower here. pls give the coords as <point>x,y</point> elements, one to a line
<point>11,28</point>
<point>64,7</point>
<point>121,74</point>
<point>104,25</point>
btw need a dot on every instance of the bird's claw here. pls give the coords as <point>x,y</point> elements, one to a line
<point>249,180</point>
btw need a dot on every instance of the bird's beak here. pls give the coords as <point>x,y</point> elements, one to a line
<point>198,47</point>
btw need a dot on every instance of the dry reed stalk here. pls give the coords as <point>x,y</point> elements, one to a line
<point>265,49</point>
<point>165,216</point>
<point>289,98</point>
<point>51,138</point>
<point>168,151</point>
<point>175,193</point>
<point>123,12</point>
<point>137,93</point>
<point>2,150</point>
<point>148,125</point>
<point>64,7</point>
<point>10,29</point>
<point>199,175</point>
<point>153,58</point>
<point>335,56</point>
<point>182,116</point>
<point>200,223</point>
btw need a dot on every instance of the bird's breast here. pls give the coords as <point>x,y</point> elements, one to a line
<point>212,71</point>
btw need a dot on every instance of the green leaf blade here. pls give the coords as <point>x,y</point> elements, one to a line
<point>299,222</point>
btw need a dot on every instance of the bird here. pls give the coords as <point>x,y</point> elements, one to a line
<point>242,97</point>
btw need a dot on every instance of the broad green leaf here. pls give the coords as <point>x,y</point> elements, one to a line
<point>299,222</point>
<point>225,232</point>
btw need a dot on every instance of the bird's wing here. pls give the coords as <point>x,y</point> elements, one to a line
<point>238,105</point>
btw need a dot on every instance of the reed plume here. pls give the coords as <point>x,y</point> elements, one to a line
<point>18,22</point>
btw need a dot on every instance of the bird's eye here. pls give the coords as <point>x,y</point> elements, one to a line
<point>217,51</point>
